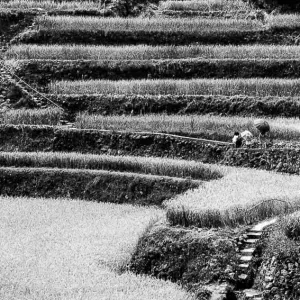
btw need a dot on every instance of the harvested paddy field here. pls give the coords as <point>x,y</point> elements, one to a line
<point>53,248</point>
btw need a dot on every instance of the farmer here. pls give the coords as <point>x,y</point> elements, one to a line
<point>237,140</point>
<point>263,127</point>
<point>245,138</point>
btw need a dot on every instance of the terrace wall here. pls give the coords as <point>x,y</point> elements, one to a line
<point>46,138</point>
<point>43,71</point>
<point>282,36</point>
<point>185,104</point>
<point>285,160</point>
<point>100,186</point>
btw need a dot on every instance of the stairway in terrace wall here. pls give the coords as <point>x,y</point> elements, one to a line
<point>246,258</point>
<point>243,290</point>
<point>7,76</point>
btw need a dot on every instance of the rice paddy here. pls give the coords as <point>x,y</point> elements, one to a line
<point>259,87</point>
<point>48,116</point>
<point>50,4</point>
<point>145,165</point>
<point>281,128</point>
<point>230,200</point>
<point>92,24</point>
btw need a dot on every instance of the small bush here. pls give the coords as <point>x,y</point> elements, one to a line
<point>126,8</point>
<point>291,226</point>
<point>282,5</point>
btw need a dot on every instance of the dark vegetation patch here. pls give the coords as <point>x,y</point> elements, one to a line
<point>13,22</point>
<point>191,258</point>
<point>46,138</point>
<point>279,274</point>
<point>291,6</point>
<point>279,160</point>
<point>26,138</point>
<point>9,92</point>
<point>100,186</point>
<point>179,104</point>
<point>281,36</point>
<point>43,71</point>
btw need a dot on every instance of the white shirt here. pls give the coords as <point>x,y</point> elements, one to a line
<point>247,136</point>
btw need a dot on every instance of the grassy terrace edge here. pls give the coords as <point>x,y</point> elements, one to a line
<point>144,165</point>
<point>91,185</point>
<point>241,196</point>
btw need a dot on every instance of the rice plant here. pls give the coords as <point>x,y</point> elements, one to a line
<point>48,116</point>
<point>201,125</point>
<point>92,24</point>
<point>146,165</point>
<point>259,87</point>
<point>51,4</point>
<point>145,52</point>
<point>284,21</point>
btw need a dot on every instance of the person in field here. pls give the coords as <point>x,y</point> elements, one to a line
<point>237,140</point>
<point>247,137</point>
<point>263,128</point>
<point>242,139</point>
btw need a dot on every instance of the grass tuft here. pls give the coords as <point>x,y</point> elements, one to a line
<point>291,226</point>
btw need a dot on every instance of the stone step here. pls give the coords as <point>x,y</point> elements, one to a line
<point>262,225</point>
<point>252,294</point>
<point>247,251</point>
<point>243,277</point>
<point>244,266</point>
<point>254,234</point>
<point>246,258</point>
<point>251,241</point>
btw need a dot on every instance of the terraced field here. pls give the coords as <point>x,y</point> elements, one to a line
<point>140,112</point>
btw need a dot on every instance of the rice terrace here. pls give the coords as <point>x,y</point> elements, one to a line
<point>150,149</point>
